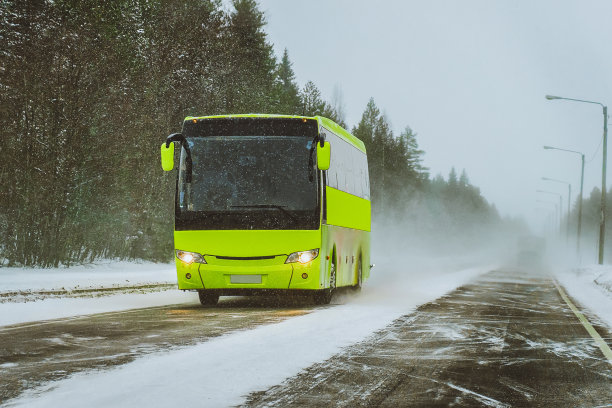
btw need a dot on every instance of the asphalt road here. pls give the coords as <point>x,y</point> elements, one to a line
<point>507,340</point>
<point>32,354</point>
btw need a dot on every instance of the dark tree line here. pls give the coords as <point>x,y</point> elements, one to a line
<point>591,218</point>
<point>89,89</point>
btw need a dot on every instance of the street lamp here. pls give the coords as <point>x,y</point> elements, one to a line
<point>602,222</point>
<point>560,205</point>
<point>579,229</point>
<point>554,213</point>
<point>569,200</point>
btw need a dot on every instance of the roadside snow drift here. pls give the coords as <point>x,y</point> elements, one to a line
<point>591,286</point>
<point>29,294</point>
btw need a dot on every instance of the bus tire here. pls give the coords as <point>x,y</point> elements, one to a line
<point>323,297</point>
<point>207,298</point>
<point>359,283</point>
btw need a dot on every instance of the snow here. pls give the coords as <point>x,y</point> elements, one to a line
<point>14,313</point>
<point>221,371</point>
<point>99,274</point>
<point>18,284</point>
<point>591,287</point>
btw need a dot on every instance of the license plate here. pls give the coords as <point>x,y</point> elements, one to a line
<point>245,278</point>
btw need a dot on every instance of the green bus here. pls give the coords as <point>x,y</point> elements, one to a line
<point>269,204</point>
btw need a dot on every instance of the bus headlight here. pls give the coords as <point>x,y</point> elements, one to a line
<point>189,257</point>
<point>303,256</point>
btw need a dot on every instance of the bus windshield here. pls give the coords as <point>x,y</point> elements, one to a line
<point>248,182</point>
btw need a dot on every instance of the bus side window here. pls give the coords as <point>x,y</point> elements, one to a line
<point>341,169</point>
<point>357,176</point>
<point>367,177</point>
<point>332,173</point>
<point>350,174</point>
<point>346,169</point>
<point>363,167</point>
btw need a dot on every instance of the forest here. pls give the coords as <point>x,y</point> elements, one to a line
<point>567,226</point>
<point>90,89</point>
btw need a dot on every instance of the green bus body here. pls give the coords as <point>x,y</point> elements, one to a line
<point>250,261</point>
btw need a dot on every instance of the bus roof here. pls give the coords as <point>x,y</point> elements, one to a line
<point>328,123</point>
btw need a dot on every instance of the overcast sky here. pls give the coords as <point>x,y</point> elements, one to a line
<point>470,78</point>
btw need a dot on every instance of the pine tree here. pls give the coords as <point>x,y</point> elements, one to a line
<point>413,155</point>
<point>452,178</point>
<point>365,129</point>
<point>375,132</point>
<point>288,99</point>
<point>249,83</point>
<point>464,181</point>
<point>312,102</point>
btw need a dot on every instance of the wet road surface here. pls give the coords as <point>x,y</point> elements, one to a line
<point>34,295</point>
<point>507,340</point>
<point>34,353</point>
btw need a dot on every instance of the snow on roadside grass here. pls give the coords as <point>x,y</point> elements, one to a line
<point>221,371</point>
<point>591,286</point>
<point>97,276</point>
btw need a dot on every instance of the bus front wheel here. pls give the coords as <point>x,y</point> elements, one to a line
<point>207,298</point>
<point>323,297</point>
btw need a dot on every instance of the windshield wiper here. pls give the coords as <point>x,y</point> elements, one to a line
<point>278,207</point>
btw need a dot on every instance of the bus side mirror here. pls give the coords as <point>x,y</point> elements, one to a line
<point>167,156</point>
<point>323,156</point>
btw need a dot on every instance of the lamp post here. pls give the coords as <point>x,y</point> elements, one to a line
<point>579,229</point>
<point>553,214</point>
<point>560,205</point>
<point>602,222</point>
<point>569,201</point>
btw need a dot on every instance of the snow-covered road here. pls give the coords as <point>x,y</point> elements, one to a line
<point>215,357</point>
<point>224,369</point>
<point>506,339</point>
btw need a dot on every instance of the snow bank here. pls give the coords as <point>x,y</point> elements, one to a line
<point>591,286</point>
<point>98,275</point>
<point>18,284</point>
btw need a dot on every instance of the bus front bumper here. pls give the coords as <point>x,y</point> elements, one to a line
<point>249,275</point>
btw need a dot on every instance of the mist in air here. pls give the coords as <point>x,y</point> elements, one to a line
<point>470,79</point>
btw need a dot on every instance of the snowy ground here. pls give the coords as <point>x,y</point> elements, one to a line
<point>105,274</point>
<point>28,294</point>
<point>591,286</point>
<point>221,371</point>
